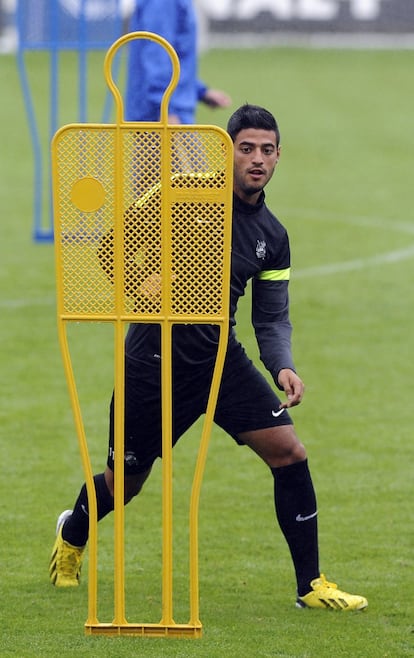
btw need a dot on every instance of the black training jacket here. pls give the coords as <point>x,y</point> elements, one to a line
<point>260,253</point>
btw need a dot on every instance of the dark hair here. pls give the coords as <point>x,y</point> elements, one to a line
<point>252,116</point>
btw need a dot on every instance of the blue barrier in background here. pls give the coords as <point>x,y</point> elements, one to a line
<point>54,26</point>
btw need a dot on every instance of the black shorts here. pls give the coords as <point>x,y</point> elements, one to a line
<point>246,402</point>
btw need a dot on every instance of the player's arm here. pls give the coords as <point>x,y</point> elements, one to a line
<point>270,318</point>
<point>105,254</point>
<point>139,278</point>
<point>272,326</point>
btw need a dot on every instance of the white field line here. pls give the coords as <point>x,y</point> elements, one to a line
<point>27,303</point>
<point>394,226</point>
<point>357,264</point>
<point>386,258</point>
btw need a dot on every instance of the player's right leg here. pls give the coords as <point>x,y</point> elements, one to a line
<point>142,447</point>
<point>72,528</point>
<point>72,532</point>
<point>66,559</point>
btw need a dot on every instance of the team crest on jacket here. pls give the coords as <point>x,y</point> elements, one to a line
<point>261,249</point>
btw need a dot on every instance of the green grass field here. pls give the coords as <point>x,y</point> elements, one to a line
<point>344,190</point>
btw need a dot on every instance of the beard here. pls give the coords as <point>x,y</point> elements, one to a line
<point>251,187</point>
<point>250,190</point>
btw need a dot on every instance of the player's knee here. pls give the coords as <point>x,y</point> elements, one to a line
<point>296,452</point>
<point>130,492</point>
<point>133,485</point>
<point>287,449</point>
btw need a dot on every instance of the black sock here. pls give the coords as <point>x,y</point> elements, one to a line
<point>76,528</point>
<point>295,503</point>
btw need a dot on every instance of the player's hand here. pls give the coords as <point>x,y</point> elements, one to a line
<point>174,119</point>
<point>151,286</point>
<point>216,98</point>
<point>293,387</point>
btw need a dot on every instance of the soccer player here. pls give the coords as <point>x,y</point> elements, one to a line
<point>248,408</point>
<point>149,66</point>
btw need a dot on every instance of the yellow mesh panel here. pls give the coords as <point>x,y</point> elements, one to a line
<point>189,240</point>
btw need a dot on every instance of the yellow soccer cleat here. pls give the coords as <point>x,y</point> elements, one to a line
<point>327,595</point>
<point>66,560</point>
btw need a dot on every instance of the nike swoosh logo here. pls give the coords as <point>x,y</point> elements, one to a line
<point>84,510</point>
<point>277,413</point>
<point>306,518</point>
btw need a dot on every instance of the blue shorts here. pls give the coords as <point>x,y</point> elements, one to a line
<point>246,402</point>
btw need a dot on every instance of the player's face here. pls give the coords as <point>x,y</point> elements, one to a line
<point>255,157</point>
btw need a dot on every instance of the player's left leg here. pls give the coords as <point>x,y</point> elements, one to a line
<point>251,415</point>
<point>296,510</point>
<point>294,495</point>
